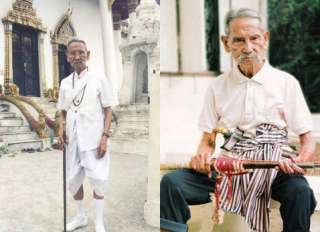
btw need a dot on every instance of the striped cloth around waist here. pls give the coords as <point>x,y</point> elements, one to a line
<point>251,193</point>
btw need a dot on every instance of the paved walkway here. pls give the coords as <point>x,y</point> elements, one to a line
<point>31,194</point>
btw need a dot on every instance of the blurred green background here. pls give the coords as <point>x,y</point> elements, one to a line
<point>295,43</point>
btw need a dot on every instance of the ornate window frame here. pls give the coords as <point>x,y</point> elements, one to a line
<point>63,32</point>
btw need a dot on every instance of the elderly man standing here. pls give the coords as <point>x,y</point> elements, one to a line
<point>259,103</point>
<point>85,99</point>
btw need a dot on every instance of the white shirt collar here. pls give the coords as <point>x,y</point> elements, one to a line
<point>83,73</point>
<point>260,77</point>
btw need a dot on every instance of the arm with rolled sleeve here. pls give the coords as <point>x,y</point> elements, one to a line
<point>299,120</point>
<point>208,117</point>
<point>207,121</point>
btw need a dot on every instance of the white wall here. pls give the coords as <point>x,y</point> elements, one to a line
<point>50,20</point>
<point>180,103</point>
<point>168,36</point>
<point>86,20</point>
<point>192,36</point>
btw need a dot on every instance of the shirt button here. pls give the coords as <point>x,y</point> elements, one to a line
<point>76,111</point>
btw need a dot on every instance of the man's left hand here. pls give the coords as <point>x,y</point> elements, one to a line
<point>306,153</point>
<point>102,149</point>
<point>289,166</point>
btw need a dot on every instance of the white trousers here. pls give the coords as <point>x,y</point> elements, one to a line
<point>81,164</point>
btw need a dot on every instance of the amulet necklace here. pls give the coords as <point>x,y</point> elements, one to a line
<point>78,103</point>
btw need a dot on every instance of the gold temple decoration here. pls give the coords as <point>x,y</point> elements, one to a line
<point>63,32</point>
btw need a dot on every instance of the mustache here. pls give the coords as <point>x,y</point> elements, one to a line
<point>243,56</point>
<point>253,57</point>
<point>78,61</point>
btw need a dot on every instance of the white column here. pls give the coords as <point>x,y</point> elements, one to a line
<point>117,42</point>
<point>192,36</point>
<point>168,36</point>
<point>108,45</point>
<point>42,73</point>
<point>252,4</point>
<point>152,205</point>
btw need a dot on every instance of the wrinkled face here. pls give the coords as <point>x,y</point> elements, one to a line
<point>247,41</point>
<point>77,55</point>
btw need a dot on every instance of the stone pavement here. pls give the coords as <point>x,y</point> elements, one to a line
<point>31,194</point>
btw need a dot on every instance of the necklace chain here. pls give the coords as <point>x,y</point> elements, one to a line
<point>78,103</point>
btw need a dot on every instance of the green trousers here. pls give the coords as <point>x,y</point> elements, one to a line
<point>183,187</point>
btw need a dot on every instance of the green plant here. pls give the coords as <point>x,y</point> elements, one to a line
<point>295,43</point>
<point>212,34</point>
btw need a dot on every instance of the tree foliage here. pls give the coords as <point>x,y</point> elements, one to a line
<point>212,34</point>
<point>295,43</point>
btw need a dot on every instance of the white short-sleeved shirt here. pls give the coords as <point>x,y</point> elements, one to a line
<point>88,117</point>
<point>271,96</point>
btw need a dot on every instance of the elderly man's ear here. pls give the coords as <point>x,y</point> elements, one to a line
<point>266,35</point>
<point>88,55</point>
<point>225,42</point>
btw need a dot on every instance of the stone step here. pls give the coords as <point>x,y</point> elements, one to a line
<point>130,135</point>
<point>139,107</point>
<point>35,144</point>
<point>128,130</point>
<point>129,146</point>
<point>133,124</point>
<point>18,136</point>
<point>124,114</point>
<point>132,117</point>
<point>6,115</point>
<point>11,122</point>
<point>6,129</point>
<point>4,107</point>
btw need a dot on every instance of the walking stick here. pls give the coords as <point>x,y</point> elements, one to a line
<point>64,191</point>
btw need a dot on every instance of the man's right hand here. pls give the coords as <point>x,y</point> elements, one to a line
<point>62,139</point>
<point>202,160</point>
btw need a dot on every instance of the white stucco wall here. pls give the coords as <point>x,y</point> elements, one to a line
<point>192,36</point>
<point>85,19</point>
<point>168,36</point>
<point>180,103</point>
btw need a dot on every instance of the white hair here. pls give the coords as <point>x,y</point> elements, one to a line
<point>240,13</point>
